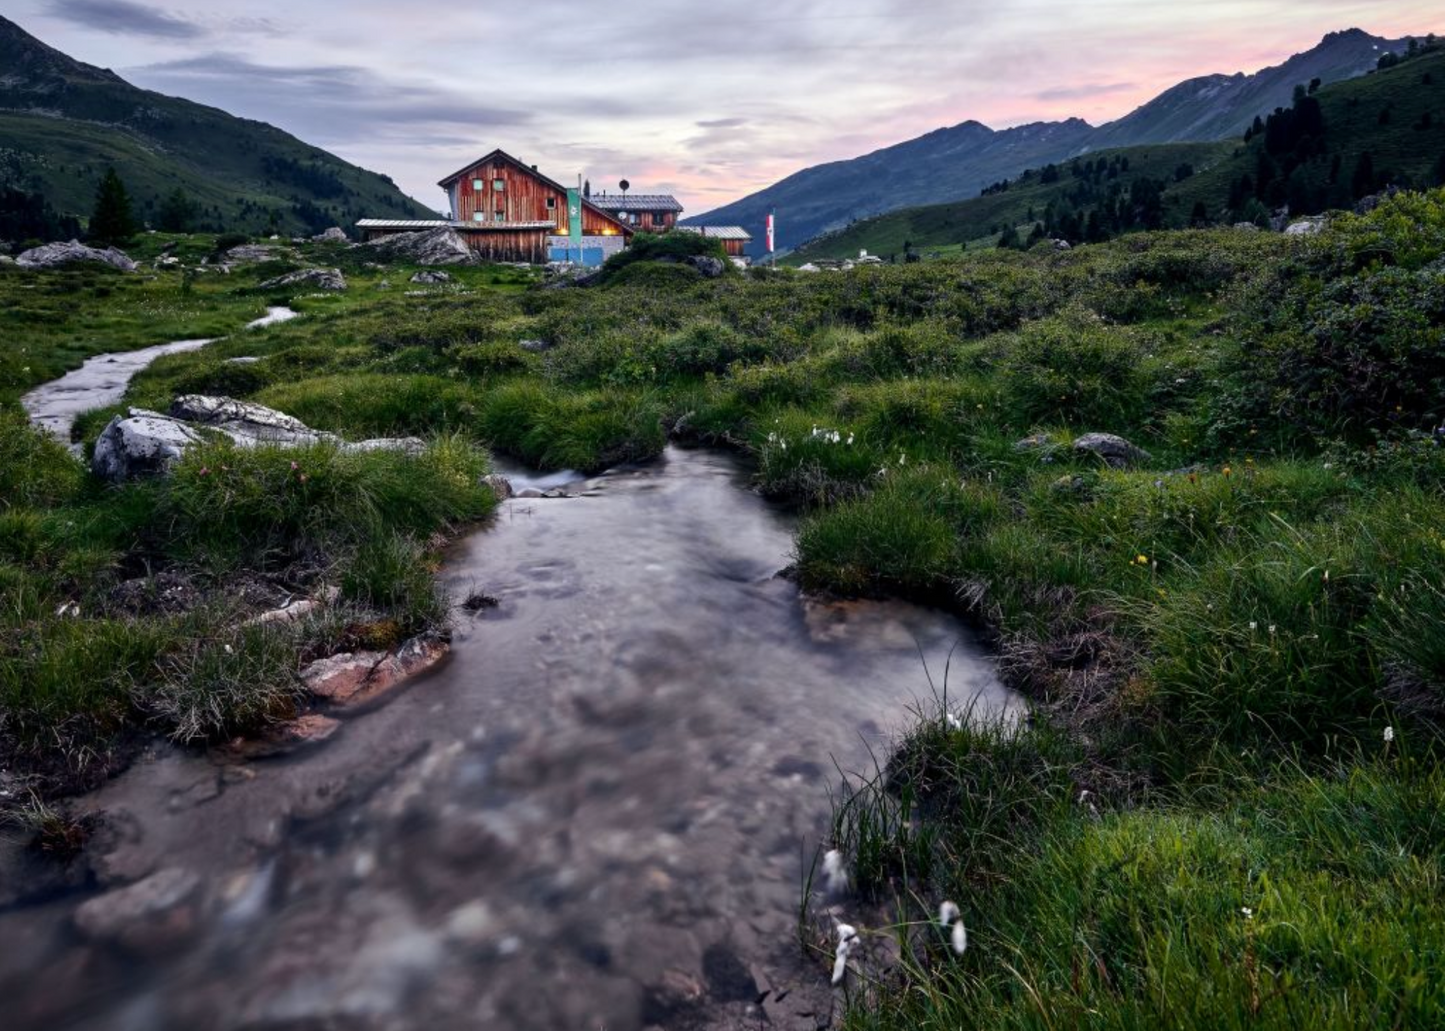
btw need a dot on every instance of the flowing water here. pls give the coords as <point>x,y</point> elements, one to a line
<point>594,814</point>
<point>102,380</point>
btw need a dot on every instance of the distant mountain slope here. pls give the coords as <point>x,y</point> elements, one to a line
<point>1215,106</point>
<point>1324,151</point>
<point>954,164</point>
<point>948,227</point>
<point>63,122</point>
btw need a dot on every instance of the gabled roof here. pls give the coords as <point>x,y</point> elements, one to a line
<point>718,232</point>
<point>530,170</point>
<point>636,201</point>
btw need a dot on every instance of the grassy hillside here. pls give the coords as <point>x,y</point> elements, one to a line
<point>947,228</point>
<point>1396,116</point>
<point>1310,161</point>
<point>63,122</point>
<point>1226,809</point>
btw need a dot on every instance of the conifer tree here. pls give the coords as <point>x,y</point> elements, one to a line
<point>112,221</point>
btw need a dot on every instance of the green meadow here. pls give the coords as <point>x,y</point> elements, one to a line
<point>1225,809</point>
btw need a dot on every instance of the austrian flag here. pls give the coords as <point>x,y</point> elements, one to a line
<point>771,218</point>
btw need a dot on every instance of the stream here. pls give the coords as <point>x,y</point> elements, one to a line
<point>594,814</point>
<point>102,380</point>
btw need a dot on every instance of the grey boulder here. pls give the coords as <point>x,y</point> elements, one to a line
<point>442,246</point>
<point>1114,450</point>
<point>54,255</point>
<point>1305,226</point>
<point>242,419</point>
<point>333,235</point>
<point>142,444</point>
<point>710,267</point>
<point>431,276</point>
<point>320,278</point>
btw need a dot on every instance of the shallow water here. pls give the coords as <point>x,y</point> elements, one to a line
<point>102,380</point>
<point>592,815</point>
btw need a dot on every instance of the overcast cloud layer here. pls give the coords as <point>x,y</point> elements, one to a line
<point>707,99</point>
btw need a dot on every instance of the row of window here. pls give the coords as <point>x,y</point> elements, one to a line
<point>659,218</point>
<point>500,214</point>
<point>498,185</point>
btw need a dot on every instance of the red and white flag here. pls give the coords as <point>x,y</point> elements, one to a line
<point>770,233</point>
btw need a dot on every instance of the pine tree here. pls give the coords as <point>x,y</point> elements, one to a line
<point>112,221</point>
<point>1362,183</point>
<point>176,213</point>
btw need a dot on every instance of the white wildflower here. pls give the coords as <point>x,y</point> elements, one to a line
<point>947,914</point>
<point>1248,913</point>
<point>847,941</point>
<point>1389,734</point>
<point>1271,628</point>
<point>951,718</point>
<point>959,937</point>
<point>835,874</point>
<point>1253,625</point>
<point>850,438</point>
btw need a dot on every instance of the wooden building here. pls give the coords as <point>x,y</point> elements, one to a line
<point>509,211</point>
<point>735,239</point>
<point>645,212</point>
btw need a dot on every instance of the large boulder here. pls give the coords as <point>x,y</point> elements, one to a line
<point>710,267</point>
<point>333,235</point>
<point>1305,226</point>
<point>141,444</point>
<point>146,443</point>
<point>257,423</point>
<point>1114,450</point>
<point>53,255</point>
<point>320,278</point>
<point>441,246</point>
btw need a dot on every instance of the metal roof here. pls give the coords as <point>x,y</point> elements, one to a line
<point>718,232</point>
<point>401,223</point>
<point>390,223</point>
<point>635,201</point>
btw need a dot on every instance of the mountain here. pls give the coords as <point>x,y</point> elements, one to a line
<point>1324,150</point>
<point>63,122</point>
<point>955,163</point>
<point>1215,106</point>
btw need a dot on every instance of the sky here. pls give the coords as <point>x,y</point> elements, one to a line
<point>705,99</point>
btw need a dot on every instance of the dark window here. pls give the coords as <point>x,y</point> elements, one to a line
<point>659,218</point>
<point>501,215</point>
<point>551,203</point>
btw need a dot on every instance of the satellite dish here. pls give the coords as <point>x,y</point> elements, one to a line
<point>624,186</point>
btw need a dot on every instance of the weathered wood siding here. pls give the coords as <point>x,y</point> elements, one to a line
<point>523,197</point>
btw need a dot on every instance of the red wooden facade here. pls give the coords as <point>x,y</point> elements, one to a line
<point>500,189</point>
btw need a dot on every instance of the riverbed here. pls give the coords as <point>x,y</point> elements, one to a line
<point>103,379</point>
<point>596,813</point>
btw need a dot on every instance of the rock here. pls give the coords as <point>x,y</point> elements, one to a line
<point>443,246</point>
<point>245,359</point>
<point>1305,226</point>
<point>1034,442</point>
<point>251,253</point>
<point>321,278</point>
<point>431,276</point>
<point>501,486</point>
<point>477,601</point>
<point>244,419</point>
<point>333,235</point>
<point>710,267</point>
<point>150,916</point>
<point>406,445</point>
<point>142,444</point>
<point>53,255</point>
<point>1061,245</point>
<point>528,493</point>
<point>1365,205</point>
<point>352,678</point>
<point>1114,450</point>
<point>167,261</point>
<point>1246,227</point>
<point>280,738</point>
<point>5,259</point>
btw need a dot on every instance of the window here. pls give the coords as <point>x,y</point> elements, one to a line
<point>551,203</point>
<point>477,185</point>
<point>498,185</point>
<point>501,215</point>
<point>479,216</point>
<point>659,218</point>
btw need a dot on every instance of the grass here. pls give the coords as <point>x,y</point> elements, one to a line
<point>1212,640</point>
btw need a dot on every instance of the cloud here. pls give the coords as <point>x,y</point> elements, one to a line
<point>723,123</point>
<point>329,103</point>
<point>1088,89</point>
<point>124,17</point>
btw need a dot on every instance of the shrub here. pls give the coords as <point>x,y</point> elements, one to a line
<point>1075,369</point>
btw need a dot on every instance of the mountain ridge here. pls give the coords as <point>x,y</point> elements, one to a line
<point>63,122</point>
<point>828,197</point>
